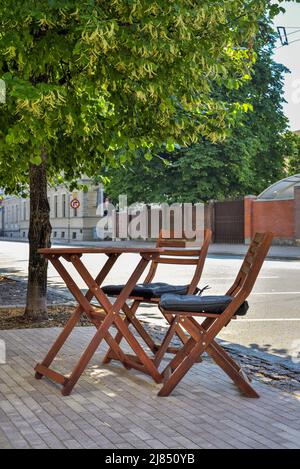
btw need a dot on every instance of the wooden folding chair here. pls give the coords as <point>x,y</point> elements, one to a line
<point>175,253</point>
<point>218,311</point>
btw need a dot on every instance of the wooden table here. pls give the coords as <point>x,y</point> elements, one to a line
<point>103,321</point>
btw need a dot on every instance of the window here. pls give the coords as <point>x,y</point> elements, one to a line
<point>62,234</point>
<point>24,234</point>
<point>74,235</point>
<point>63,206</point>
<point>55,206</point>
<point>75,213</point>
<point>24,211</point>
<point>55,234</point>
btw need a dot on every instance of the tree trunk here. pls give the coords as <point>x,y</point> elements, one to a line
<point>39,237</point>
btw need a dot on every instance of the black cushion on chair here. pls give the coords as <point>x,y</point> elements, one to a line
<point>150,290</point>
<point>200,304</point>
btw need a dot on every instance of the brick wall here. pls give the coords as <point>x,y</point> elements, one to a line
<point>277,216</point>
<point>297,215</point>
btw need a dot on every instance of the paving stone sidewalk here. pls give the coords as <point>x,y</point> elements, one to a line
<point>114,408</point>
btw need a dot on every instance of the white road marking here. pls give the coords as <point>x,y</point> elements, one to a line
<point>269,319</point>
<point>233,278</point>
<point>278,293</point>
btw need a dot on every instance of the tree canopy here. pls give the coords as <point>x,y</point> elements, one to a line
<point>90,82</point>
<point>254,155</point>
<point>293,157</point>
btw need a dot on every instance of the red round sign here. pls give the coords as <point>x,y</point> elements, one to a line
<point>75,203</point>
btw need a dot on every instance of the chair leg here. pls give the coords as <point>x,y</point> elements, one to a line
<point>110,353</point>
<point>232,369</point>
<point>116,350</point>
<point>130,319</point>
<point>131,314</point>
<point>221,357</point>
<point>226,355</point>
<point>138,349</point>
<point>166,342</point>
<point>179,332</point>
<point>180,355</point>
<point>181,370</point>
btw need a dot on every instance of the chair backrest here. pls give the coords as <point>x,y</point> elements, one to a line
<point>251,266</point>
<point>177,253</point>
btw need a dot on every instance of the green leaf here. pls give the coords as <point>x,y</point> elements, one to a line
<point>36,160</point>
<point>170,146</point>
<point>148,156</point>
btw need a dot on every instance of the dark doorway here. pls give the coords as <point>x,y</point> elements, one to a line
<point>229,222</point>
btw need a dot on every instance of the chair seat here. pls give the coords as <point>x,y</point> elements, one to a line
<point>212,304</point>
<point>150,290</point>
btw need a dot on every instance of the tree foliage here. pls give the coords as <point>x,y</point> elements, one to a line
<point>251,158</point>
<point>90,82</point>
<point>292,159</point>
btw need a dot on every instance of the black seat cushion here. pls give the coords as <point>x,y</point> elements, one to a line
<point>200,304</point>
<point>150,290</point>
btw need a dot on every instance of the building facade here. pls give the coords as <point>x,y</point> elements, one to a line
<point>68,224</point>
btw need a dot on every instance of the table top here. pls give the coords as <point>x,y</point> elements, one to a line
<point>104,250</point>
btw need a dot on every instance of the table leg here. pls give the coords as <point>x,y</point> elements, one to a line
<point>87,355</point>
<point>58,344</point>
<point>112,311</point>
<point>116,308</point>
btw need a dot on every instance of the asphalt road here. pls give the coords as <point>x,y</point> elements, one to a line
<point>271,325</point>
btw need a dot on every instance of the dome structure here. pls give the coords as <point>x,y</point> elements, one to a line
<point>281,190</point>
